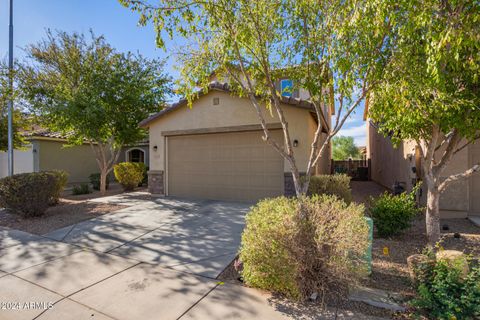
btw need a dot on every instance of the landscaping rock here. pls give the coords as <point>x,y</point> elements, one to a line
<point>377,298</point>
<point>454,258</point>
<point>417,265</point>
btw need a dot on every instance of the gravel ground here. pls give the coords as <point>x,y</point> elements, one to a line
<point>113,189</point>
<point>66,213</point>
<point>389,271</point>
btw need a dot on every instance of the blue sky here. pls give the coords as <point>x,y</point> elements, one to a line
<point>104,17</point>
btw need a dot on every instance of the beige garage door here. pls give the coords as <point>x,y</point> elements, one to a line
<point>236,166</point>
<point>475,184</point>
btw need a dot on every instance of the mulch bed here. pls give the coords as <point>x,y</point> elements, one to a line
<point>66,213</point>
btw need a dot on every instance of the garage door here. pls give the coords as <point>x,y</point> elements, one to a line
<point>475,184</point>
<point>236,166</point>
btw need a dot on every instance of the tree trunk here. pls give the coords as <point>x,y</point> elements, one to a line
<point>433,215</point>
<point>103,181</point>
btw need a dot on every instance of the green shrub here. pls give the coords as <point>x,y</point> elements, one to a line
<point>447,294</point>
<point>336,184</point>
<point>28,194</point>
<point>145,177</point>
<point>95,181</point>
<point>300,246</point>
<point>129,174</point>
<point>81,189</point>
<point>392,214</point>
<point>61,178</point>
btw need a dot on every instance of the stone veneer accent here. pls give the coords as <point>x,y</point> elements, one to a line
<point>289,187</point>
<point>156,182</point>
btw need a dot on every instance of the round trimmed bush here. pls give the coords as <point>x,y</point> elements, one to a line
<point>29,194</point>
<point>297,247</point>
<point>129,174</point>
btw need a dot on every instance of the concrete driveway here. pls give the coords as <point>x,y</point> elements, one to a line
<point>155,259</point>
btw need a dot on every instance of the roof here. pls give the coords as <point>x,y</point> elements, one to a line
<point>38,132</point>
<point>45,133</point>
<point>224,87</point>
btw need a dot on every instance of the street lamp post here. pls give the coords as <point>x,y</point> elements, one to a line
<point>10,100</point>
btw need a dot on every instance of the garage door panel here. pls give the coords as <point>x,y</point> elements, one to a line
<point>226,166</point>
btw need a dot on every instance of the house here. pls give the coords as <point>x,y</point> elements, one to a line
<point>46,150</point>
<point>215,149</point>
<point>390,165</point>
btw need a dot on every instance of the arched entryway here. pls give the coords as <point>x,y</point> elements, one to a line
<point>135,155</point>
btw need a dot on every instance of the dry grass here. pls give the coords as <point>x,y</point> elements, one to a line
<point>66,213</point>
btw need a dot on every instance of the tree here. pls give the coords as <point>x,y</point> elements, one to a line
<point>91,93</point>
<point>334,49</point>
<point>19,120</point>
<point>430,92</point>
<point>344,148</point>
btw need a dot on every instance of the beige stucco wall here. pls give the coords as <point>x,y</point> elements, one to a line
<point>389,164</point>
<point>231,111</point>
<point>78,161</point>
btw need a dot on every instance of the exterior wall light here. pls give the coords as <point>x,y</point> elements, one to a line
<point>155,148</point>
<point>295,143</point>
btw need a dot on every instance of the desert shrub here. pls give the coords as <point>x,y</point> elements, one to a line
<point>28,194</point>
<point>336,184</point>
<point>95,181</point>
<point>446,293</point>
<point>61,179</point>
<point>81,189</point>
<point>392,214</point>
<point>297,247</point>
<point>129,174</point>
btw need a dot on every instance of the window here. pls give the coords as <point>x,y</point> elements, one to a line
<point>286,87</point>
<point>136,155</point>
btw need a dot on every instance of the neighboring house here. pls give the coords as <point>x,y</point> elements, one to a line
<point>47,151</point>
<point>403,164</point>
<point>215,149</point>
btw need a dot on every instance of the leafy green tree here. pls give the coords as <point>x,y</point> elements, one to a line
<point>344,148</point>
<point>334,49</point>
<point>91,93</point>
<point>430,92</point>
<point>19,120</point>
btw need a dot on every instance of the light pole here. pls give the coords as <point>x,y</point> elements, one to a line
<point>10,100</point>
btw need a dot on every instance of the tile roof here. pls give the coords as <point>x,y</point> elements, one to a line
<point>38,132</point>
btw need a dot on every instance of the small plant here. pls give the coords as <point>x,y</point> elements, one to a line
<point>298,247</point>
<point>129,174</point>
<point>83,188</point>
<point>446,293</point>
<point>392,214</point>
<point>95,181</point>
<point>336,184</point>
<point>61,178</point>
<point>29,194</point>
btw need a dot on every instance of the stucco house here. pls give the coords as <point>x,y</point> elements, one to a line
<point>403,164</point>
<point>215,149</point>
<point>46,150</point>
